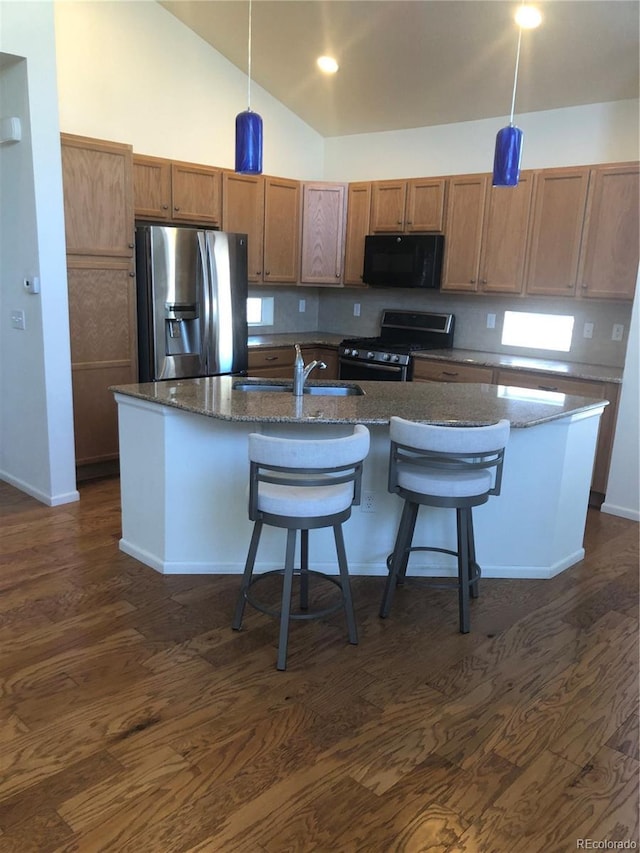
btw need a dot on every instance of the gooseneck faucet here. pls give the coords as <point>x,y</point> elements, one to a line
<point>302,371</point>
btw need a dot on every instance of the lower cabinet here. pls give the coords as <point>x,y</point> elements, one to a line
<point>277,362</point>
<point>450,371</point>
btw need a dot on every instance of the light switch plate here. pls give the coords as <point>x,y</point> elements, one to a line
<point>617,332</point>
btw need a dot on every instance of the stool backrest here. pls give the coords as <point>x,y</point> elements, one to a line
<point>449,448</point>
<point>301,462</point>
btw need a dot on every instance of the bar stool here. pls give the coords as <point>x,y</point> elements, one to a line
<point>455,467</point>
<point>302,485</point>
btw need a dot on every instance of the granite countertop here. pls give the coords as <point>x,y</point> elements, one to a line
<point>284,339</point>
<point>437,403</point>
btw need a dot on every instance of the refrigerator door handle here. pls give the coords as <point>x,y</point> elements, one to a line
<point>205,314</point>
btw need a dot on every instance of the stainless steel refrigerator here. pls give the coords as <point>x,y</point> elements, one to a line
<point>192,302</point>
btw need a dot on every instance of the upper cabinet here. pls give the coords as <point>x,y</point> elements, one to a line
<point>98,208</point>
<point>281,230</point>
<point>609,259</point>
<point>243,213</point>
<point>407,206</point>
<point>170,190</point>
<point>463,232</point>
<point>358,213</point>
<point>323,222</point>
<point>557,218</point>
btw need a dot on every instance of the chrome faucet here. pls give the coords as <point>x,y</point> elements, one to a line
<point>301,371</point>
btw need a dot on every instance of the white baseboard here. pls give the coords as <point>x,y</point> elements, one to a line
<point>48,500</point>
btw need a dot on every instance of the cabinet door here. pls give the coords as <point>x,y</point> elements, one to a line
<point>243,213</point>
<point>195,193</point>
<point>559,198</point>
<point>323,214</point>
<point>463,232</point>
<point>450,371</point>
<point>329,355</point>
<point>103,351</point>
<point>425,204</point>
<point>609,262</point>
<point>273,362</point>
<point>152,187</point>
<point>388,200</point>
<point>98,197</point>
<point>281,230</point>
<point>504,238</point>
<point>358,212</point>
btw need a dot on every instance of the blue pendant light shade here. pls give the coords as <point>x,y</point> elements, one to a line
<point>506,161</point>
<point>248,143</point>
<point>249,129</point>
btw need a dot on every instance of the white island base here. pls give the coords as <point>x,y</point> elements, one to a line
<point>184,484</point>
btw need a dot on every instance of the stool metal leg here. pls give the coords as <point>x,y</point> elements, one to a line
<point>285,609</point>
<point>474,568</point>
<point>400,556</point>
<point>246,577</point>
<point>463,568</point>
<point>304,570</point>
<point>346,584</point>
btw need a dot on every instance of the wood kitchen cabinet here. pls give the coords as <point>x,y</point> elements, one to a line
<point>281,230</point>
<point>273,362</point>
<point>174,191</point>
<point>99,225</point>
<point>327,354</point>
<point>582,388</point>
<point>463,232</point>
<point>358,214</point>
<point>555,234</point>
<point>609,258</point>
<point>450,371</point>
<point>243,213</point>
<point>323,224</point>
<point>410,206</point>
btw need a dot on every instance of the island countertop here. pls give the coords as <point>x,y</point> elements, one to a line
<point>436,403</point>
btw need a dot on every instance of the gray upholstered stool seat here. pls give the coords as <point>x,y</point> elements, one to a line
<point>455,467</point>
<point>302,485</point>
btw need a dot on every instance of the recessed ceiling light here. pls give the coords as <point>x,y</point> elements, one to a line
<point>327,64</point>
<point>528,17</point>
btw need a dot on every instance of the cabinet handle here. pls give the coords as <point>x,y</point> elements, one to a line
<point>399,222</point>
<point>483,280</point>
<point>585,286</point>
<point>337,275</point>
<point>132,275</point>
<point>259,272</point>
<point>271,358</point>
<point>176,208</point>
<point>268,272</point>
<point>449,373</point>
<point>410,222</point>
<point>472,281</point>
<point>166,207</point>
<point>548,387</point>
<point>131,245</point>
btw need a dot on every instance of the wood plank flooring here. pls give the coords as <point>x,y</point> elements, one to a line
<point>134,719</point>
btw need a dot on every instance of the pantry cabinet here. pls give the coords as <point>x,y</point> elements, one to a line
<point>410,206</point>
<point>609,258</point>
<point>323,223</point>
<point>555,235</point>
<point>358,215</point>
<point>243,213</point>
<point>174,191</point>
<point>99,225</point>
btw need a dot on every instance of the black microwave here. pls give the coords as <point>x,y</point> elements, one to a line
<point>403,260</point>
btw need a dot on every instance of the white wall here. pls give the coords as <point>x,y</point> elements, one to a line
<point>36,417</point>
<point>131,72</point>
<point>623,488</point>
<point>597,133</point>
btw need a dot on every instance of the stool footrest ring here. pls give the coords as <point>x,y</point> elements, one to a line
<point>477,571</point>
<point>315,614</point>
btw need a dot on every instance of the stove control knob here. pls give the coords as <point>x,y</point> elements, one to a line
<point>371,354</point>
<point>386,356</point>
<point>396,358</point>
<point>355,353</point>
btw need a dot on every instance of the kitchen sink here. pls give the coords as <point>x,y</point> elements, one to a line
<point>314,390</point>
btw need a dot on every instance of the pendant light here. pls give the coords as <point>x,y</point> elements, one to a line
<point>508,153</point>
<point>249,129</point>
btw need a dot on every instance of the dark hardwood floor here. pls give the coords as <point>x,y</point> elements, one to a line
<point>135,720</point>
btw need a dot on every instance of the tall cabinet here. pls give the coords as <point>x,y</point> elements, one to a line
<point>99,230</point>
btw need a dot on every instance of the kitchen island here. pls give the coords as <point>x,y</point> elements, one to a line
<point>184,472</point>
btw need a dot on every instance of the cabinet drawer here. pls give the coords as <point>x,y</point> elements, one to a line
<point>271,357</point>
<point>449,371</point>
<point>549,382</point>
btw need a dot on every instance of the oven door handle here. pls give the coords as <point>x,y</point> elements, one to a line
<point>390,368</point>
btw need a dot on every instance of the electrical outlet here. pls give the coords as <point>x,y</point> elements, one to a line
<point>17,320</point>
<point>302,306</point>
<point>368,502</point>
<point>356,309</point>
<point>491,321</point>
<point>617,332</point>
<point>588,330</point>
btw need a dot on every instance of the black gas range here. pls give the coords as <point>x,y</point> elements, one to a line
<point>388,355</point>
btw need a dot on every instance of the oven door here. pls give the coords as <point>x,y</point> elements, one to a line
<point>374,372</point>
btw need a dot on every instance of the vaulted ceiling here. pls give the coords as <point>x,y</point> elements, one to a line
<point>415,63</point>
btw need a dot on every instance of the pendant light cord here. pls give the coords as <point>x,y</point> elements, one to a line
<point>249,63</point>
<point>515,76</point>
